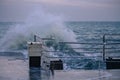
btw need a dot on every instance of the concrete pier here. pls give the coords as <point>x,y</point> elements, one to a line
<point>13,69</point>
<point>18,69</point>
<point>87,75</point>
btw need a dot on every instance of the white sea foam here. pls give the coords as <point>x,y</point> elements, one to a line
<point>38,22</point>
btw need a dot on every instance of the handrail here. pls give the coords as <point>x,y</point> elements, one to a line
<point>79,43</point>
<point>90,57</point>
<point>101,47</point>
<point>105,43</point>
<point>78,52</point>
<point>35,38</point>
<point>41,39</point>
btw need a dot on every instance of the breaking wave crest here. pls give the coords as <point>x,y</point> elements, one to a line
<point>38,22</point>
<point>45,25</point>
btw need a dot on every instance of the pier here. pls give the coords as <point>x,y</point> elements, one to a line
<point>11,69</point>
<point>40,65</point>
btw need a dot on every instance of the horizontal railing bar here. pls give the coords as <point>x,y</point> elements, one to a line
<point>44,38</point>
<point>112,40</point>
<point>113,48</point>
<point>112,43</point>
<point>47,39</point>
<point>89,43</point>
<point>113,61</point>
<point>79,43</point>
<point>94,48</point>
<point>75,57</point>
<point>89,51</point>
<point>77,52</point>
<point>117,56</point>
<point>112,34</point>
<point>84,48</point>
<point>111,52</point>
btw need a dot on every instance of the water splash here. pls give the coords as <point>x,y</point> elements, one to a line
<point>38,22</point>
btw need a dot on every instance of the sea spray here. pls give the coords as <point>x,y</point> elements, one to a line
<point>45,25</point>
<point>41,23</point>
<point>38,22</point>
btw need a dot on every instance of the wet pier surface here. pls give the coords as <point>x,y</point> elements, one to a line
<point>11,69</point>
<point>16,68</point>
<point>87,75</point>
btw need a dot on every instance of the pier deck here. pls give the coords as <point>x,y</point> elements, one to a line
<point>13,69</point>
<point>87,75</point>
<point>16,69</point>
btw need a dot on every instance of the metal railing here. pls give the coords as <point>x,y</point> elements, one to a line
<point>111,46</point>
<point>108,47</point>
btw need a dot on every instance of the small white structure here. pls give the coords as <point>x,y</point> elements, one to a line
<point>35,52</point>
<point>39,57</point>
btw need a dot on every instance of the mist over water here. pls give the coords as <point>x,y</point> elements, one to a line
<point>38,22</point>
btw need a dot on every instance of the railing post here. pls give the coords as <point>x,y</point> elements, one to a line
<point>104,43</point>
<point>35,38</point>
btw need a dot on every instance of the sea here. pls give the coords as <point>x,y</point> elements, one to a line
<point>14,37</point>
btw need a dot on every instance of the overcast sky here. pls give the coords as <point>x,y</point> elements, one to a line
<point>73,10</point>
